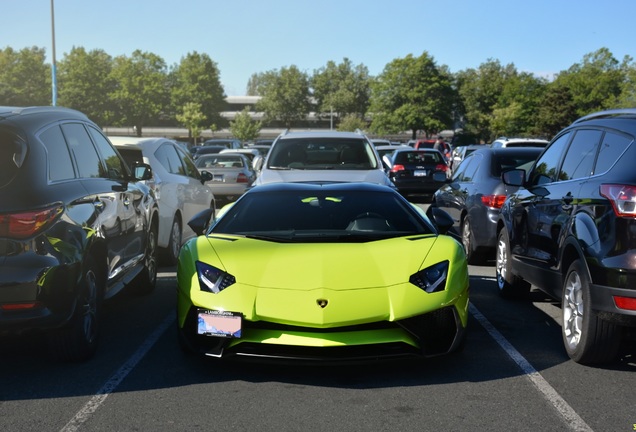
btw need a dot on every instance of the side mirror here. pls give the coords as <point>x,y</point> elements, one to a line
<point>386,161</point>
<point>514,177</point>
<point>258,163</point>
<point>206,176</point>
<point>200,222</point>
<point>142,171</point>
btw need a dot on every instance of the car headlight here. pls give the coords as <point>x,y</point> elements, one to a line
<point>431,279</point>
<point>212,279</point>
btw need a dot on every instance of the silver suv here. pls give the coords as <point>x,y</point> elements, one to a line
<point>322,156</point>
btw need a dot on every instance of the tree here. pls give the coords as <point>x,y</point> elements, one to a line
<point>243,127</point>
<point>480,90</point>
<point>515,112</point>
<point>85,83</point>
<point>595,83</point>
<point>285,95</point>
<point>351,123</point>
<point>627,98</point>
<point>197,79</point>
<point>25,79</point>
<point>411,94</point>
<point>140,93</point>
<point>556,109</point>
<point>255,83</point>
<point>193,119</point>
<point>341,89</point>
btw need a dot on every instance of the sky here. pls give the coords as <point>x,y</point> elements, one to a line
<point>244,37</point>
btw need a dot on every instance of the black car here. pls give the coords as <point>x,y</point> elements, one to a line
<point>206,149</point>
<point>476,193</point>
<point>417,172</point>
<point>570,230</point>
<point>76,226</point>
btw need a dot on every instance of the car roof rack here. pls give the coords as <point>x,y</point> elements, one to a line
<point>607,114</point>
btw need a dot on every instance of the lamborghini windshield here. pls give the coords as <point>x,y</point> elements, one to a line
<point>322,216</point>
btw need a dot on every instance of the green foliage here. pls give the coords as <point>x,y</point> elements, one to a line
<point>24,77</point>
<point>243,127</point>
<point>85,84</point>
<point>141,93</point>
<point>595,83</point>
<point>197,79</point>
<point>285,95</point>
<point>352,122</point>
<point>193,119</point>
<point>411,94</point>
<point>342,89</point>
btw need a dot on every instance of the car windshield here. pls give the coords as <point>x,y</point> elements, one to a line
<point>322,153</point>
<point>322,216</point>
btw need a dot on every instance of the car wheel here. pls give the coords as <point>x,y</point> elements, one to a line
<point>146,280</point>
<point>171,255</point>
<point>510,286</point>
<point>587,338</point>
<point>77,341</point>
<point>472,257</point>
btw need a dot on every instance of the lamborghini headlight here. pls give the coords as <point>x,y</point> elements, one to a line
<point>212,279</point>
<point>431,279</point>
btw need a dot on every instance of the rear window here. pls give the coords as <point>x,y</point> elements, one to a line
<point>322,153</point>
<point>12,153</point>
<point>415,157</point>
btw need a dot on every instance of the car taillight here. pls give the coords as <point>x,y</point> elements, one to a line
<point>12,307</point>
<point>622,197</point>
<point>242,178</point>
<point>397,168</point>
<point>27,224</point>
<point>493,201</point>
<point>441,167</point>
<point>627,303</point>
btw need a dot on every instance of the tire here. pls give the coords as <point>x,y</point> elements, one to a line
<point>510,286</point>
<point>468,241</point>
<point>77,340</point>
<point>146,280</point>
<point>171,253</point>
<point>587,338</point>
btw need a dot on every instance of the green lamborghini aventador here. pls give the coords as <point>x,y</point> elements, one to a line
<point>322,272</point>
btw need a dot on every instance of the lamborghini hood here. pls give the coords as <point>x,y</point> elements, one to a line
<point>309,266</point>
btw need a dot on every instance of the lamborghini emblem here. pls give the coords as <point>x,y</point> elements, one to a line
<point>322,303</point>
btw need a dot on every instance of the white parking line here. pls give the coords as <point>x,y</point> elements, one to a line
<point>116,379</point>
<point>571,418</point>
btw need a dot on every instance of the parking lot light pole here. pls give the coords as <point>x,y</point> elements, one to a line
<point>53,66</point>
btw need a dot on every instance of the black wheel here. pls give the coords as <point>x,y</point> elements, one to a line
<point>472,257</point>
<point>146,280</point>
<point>510,286</point>
<point>587,338</point>
<point>77,341</point>
<point>171,253</point>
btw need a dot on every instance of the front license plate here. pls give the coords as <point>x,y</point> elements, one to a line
<point>420,173</point>
<point>219,323</point>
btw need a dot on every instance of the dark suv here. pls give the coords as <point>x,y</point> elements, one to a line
<point>571,232</point>
<point>76,226</point>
